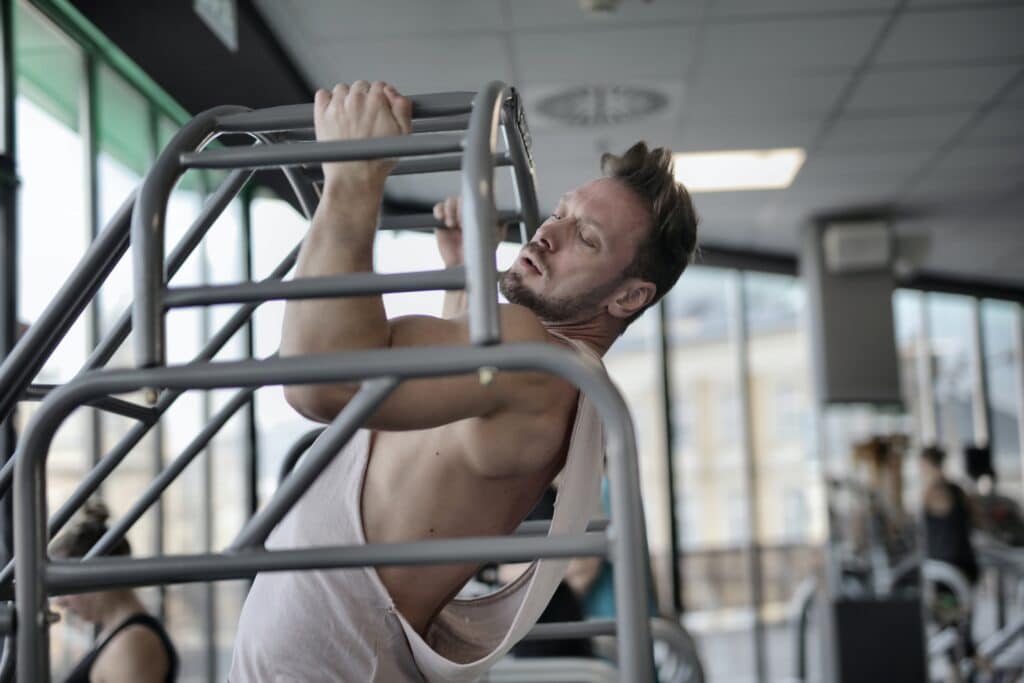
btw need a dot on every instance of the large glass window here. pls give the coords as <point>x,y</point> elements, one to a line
<point>999,322</point>
<point>950,321</point>
<point>709,469</point>
<point>51,238</point>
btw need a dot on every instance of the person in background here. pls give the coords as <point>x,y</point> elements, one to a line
<point>948,520</point>
<point>131,646</point>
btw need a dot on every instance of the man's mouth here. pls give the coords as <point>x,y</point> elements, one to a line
<point>531,264</point>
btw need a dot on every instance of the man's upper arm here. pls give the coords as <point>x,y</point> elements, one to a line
<point>426,403</point>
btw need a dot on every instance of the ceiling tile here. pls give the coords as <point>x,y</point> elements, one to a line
<point>795,45</point>
<point>993,158</point>
<point>730,8</point>
<point>889,166</point>
<point>331,20</point>
<point>759,132</point>
<point>1002,123</point>
<point>587,145</point>
<point>893,132</point>
<point>954,35</point>
<point>567,13</point>
<point>925,89</point>
<point>752,98</point>
<point>439,64</point>
<point>603,57</point>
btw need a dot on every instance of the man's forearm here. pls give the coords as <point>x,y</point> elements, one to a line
<point>455,303</point>
<point>340,240</point>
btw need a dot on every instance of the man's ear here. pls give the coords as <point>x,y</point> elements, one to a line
<point>631,297</point>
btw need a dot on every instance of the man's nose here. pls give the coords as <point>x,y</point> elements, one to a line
<point>548,235</point>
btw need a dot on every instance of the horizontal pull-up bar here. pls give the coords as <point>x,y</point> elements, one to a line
<point>536,527</point>
<point>296,153</point>
<point>324,287</point>
<point>422,221</point>
<point>63,577</point>
<point>117,406</point>
<point>294,116</point>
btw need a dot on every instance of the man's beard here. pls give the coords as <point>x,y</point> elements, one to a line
<point>553,309</point>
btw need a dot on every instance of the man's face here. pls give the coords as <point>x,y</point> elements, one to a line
<point>573,267</point>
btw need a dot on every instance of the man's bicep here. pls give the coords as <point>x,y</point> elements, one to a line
<point>431,402</point>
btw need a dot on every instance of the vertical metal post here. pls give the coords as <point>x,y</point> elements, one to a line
<point>738,323</point>
<point>206,484</point>
<point>480,216</point>
<point>925,377</point>
<point>252,469</point>
<point>979,380</point>
<point>90,133</point>
<point>8,250</point>
<point>158,442</point>
<point>674,476</point>
<point>1018,358</point>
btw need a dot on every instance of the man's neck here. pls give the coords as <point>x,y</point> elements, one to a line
<point>599,333</point>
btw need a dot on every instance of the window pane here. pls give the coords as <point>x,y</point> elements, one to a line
<point>999,320</point>
<point>951,324</point>
<point>790,497</point>
<point>52,235</point>
<point>711,503</point>
<point>634,367</point>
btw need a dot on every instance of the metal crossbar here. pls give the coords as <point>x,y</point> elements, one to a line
<point>495,108</point>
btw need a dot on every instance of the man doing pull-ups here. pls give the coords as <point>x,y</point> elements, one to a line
<point>448,457</point>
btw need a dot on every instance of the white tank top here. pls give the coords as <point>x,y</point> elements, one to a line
<point>341,625</point>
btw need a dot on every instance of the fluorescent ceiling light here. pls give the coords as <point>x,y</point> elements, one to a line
<point>741,169</point>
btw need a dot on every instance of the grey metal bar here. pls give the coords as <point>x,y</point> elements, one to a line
<point>37,392</point>
<point>627,541</point>
<point>109,572</point>
<point>293,116</point>
<point>117,335</point>
<point>479,215</point>
<point>418,165</point>
<point>533,527</point>
<point>980,414</point>
<point>560,630</point>
<point>7,659</point>
<point>295,452</point>
<point>369,397</point>
<point>164,479</point>
<point>42,337</point>
<point>1018,384</point>
<point>298,153</point>
<point>147,235</point>
<point>738,324</point>
<point>420,221</point>
<point>6,619</point>
<point>524,177</point>
<point>322,287</point>
<point>212,208</point>
<point>88,485</point>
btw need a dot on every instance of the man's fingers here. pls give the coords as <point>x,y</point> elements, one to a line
<point>439,211</point>
<point>320,101</point>
<point>451,211</point>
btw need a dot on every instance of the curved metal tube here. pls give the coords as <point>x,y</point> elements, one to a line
<point>524,177</point>
<point>147,235</point>
<point>30,495</point>
<point>480,215</point>
<point>7,660</point>
<point>296,451</point>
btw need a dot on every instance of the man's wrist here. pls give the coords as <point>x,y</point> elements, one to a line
<point>350,191</point>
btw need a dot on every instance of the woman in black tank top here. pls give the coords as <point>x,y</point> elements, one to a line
<point>131,645</point>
